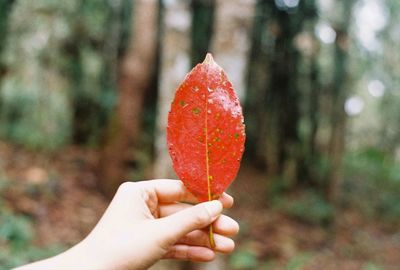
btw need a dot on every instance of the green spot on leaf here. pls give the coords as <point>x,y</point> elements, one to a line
<point>196,110</point>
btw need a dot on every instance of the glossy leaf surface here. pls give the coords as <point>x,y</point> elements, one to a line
<point>205,132</point>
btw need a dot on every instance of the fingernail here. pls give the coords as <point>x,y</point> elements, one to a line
<point>214,208</point>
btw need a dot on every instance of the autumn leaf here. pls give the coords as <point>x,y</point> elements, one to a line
<point>205,132</point>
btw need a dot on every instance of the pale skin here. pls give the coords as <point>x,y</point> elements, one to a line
<point>148,221</point>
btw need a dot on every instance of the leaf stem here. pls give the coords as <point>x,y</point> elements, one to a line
<point>211,236</point>
<point>210,230</point>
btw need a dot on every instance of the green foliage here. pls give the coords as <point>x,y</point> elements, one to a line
<point>308,206</point>
<point>371,266</point>
<point>372,184</point>
<point>298,262</point>
<point>29,253</point>
<point>32,115</point>
<point>247,259</point>
<point>34,98</point>
<point>16,236</point>
<point>15,230</point>
<point>5,7</point>
<point>243,259</point>
<point>61,69</point>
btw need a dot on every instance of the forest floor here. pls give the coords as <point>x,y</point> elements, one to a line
<point>282,242</point>
<point>58,192</point>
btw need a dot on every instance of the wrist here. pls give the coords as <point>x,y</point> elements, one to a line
<point>87,255</point>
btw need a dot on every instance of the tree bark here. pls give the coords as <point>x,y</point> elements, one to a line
<point>133,80</point>
<point>338,96</point>
<point>257,79</point>
<point>338,116</point>
<point>5,11</point>
<point>282,97</point>
<point>203,17</point>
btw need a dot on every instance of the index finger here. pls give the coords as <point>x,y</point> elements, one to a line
<point>169,190</point>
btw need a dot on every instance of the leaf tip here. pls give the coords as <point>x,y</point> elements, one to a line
<point>209,59</point>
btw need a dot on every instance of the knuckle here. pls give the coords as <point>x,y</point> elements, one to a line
<point>202,217</point>
<point>126,186</point>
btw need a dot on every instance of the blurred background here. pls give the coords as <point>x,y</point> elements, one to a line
<point>85,88</point>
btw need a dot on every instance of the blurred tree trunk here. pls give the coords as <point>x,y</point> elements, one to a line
<point>5,11</point>
<point>338,117</point>
<point>94,64</point>
<point>314,106</point>
<point>257,79</point>
<point>284,97</point>
<point>133,80</point>
<point>175,63</point>
<point>282,114</point>
<point>309,88</point>
<point>203,14</point>
<point>339,94</point>
<point>389,138</point>
<point>309,170</point>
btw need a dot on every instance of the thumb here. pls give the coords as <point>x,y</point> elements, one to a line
<point>190,219</point>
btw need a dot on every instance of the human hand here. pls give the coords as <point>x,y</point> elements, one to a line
<point>147,221</point>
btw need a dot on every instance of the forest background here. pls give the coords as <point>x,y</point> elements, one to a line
<point>86,85</point>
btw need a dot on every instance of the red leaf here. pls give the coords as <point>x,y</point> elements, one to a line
<point>205,131</point>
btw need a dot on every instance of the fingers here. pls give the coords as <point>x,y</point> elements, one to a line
<point>192,253</point>
<point>223,225</point>
<point>201,238</point>
<point>226,200</point>
<point>169,190</point>
<point>189,219</point>
<point>226,226</point>
<point>167,209</point>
